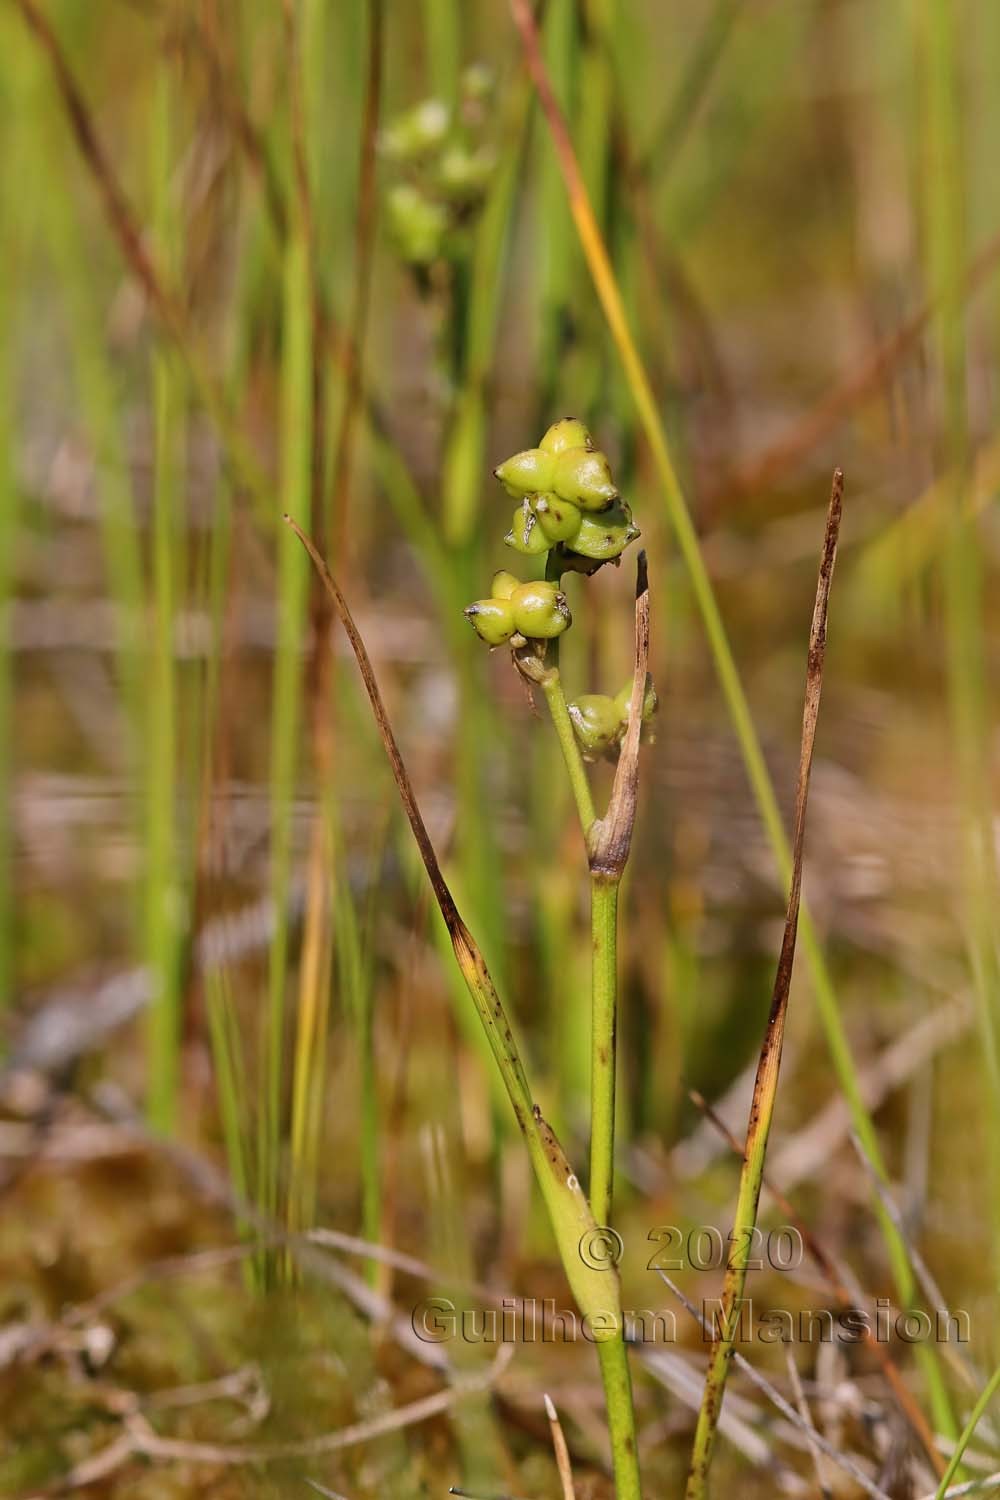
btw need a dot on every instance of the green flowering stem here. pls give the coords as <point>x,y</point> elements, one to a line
<point>617,1382</point>
<point>604,982</point>
<point>551,685</point>
<point>603,1042</point>
<point>554,481</point>
<point>608,842</point>
<point>604,941</point>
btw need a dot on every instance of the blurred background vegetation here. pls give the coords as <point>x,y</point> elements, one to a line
<point>240,277</point>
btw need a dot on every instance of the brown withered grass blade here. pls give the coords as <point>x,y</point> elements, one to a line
<point>560,1449</point>
<point>766,1081</point>
<point>611,837</point>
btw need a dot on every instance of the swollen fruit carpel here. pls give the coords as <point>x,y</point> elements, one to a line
<point>492,620</point>
<point>525,534</point>
<point>583,476</point>
<point>540,610</point>
<point>527,473</point>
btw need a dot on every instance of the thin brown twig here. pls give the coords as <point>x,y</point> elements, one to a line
<point>810,716</point>
<point>471,1495</point>
<point>807,1422</point>
<point>321,1489</point>
<point>560,1449</point>
<point>408,798</point>
<point>924,1276</point>
<point>739,1423</point>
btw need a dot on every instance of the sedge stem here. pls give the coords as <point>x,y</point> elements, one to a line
<point>617,1381</point>
<point>604,1011</point>
<point>551,685</point>
<point>613,1354</point>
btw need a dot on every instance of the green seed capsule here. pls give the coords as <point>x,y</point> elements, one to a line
<point>503,585</point>
<point>605,536</point>
<point>416,133</point>
<point>650,702</point>
<point>540,610</point>
<point>525,534</point>
<point>559,519</point>
<point>492,620</point>
<point>464,175</point>
<point>585,478</point>
<point>596,722</point>
<point>527,473</point>
<point>478,81</point>
<point>418,226</point>
<point>567,433</point>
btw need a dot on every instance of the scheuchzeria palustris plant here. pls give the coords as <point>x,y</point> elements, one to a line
<point>569,510</point>
<point>530,617</point>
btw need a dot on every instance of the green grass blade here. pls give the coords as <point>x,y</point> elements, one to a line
<point>8,532</point>
<point>230,1076</point>
<point>945,211</point>
<point>463,459</point>
<point>292,580</point>
<point>163,890</point>
<point>559,258</point>
<point>975,1416</point>
<point>443,45</point>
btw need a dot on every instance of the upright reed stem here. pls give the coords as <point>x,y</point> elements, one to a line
<point>551,686</point>
<point>617,1382</point>
<point>604,1010</point>
<point>608,841</point>
<point>604,964</point>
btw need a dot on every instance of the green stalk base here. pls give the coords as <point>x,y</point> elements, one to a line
<point>613,1357</point>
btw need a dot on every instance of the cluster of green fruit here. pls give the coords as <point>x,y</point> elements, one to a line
<point>567,498</point>
<point>600,722</point>
<point>449,171</point>
<point>517,612</point>
<point>568,501</point>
